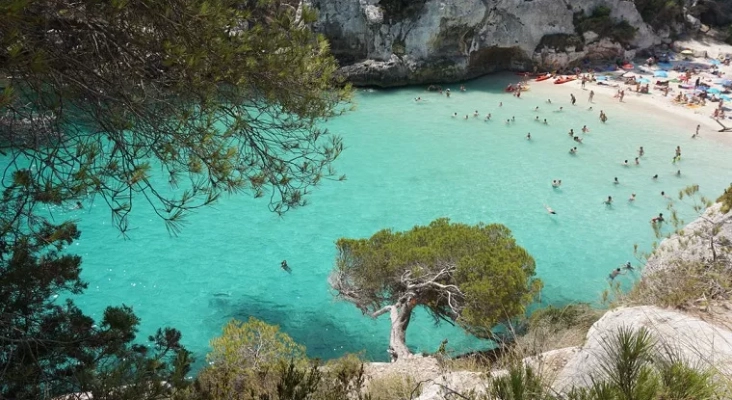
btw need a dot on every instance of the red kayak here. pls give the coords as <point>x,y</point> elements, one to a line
<point>543,77</point>
<point>566,79</point>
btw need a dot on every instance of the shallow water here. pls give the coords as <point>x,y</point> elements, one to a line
<point>407,163</point>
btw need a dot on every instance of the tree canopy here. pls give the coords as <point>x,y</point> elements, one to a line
<point>124,97</point>
<point>169,102</point>
<point>476,276</point>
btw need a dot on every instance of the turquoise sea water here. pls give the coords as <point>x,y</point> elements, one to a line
<point>407,163</point>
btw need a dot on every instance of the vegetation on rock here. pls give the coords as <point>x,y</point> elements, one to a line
<point>600,22</point>
<point>476,276</point>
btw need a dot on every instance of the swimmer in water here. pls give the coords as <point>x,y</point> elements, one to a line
<point>555,183</point>
<point>545,123</point>
<point>549,210</point>
<point>500,104</point>
<point>657,219</point>
<point>678,173</point>
<point>628,266</point>
<point>487,117</point>
<point>632,197</point>
<point>573,150</point>
<point>641,152</point>
<point>417,99</point>
<point>609,200</point>
<point>454,115</point>
<point>637,161</point>
<point>571,132</point>
<point>561,108</point>
<point>655,177</point>
<point>475,114</point>
<point>537,108</point>
<point>548,101</point>
<point>466,116</point>
<point>513,119</point>
<point>616,181</point>
<point>585,129</point>
<point>508,122</point>
<point>528,136</point>
<point>625,163</point>
<point>78,206</point>
<point>614,274</point>
<point>536,118</point>
<point>285,267</point>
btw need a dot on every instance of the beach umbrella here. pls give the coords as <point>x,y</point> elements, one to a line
<point>726,82</point>
<point>714,91</point>
<point>687,52</point>
<point>661,74</point>
<point>715,61</point>
<point>643,80</point>
<point>725,97</point>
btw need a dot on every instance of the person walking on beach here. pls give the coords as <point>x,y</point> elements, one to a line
<point>572,99</point>
<point>696,133</point>
<point>622,94</point>
<point>592,95</point>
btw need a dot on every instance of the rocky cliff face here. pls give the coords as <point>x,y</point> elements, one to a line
<point>398,42</point>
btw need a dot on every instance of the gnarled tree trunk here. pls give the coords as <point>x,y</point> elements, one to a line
<point>400,314</point>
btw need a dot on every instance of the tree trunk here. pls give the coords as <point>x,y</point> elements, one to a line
<point>400,315</point>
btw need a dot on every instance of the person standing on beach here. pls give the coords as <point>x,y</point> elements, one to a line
<point>696,133</point>
<point>592,95</point>
<point>573,100</point>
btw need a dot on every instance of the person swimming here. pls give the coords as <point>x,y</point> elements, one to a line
<point>513,119</point>
<point>678,173</point>
<point>655,177</point>
<point>528,136</point>
<point>625,163</point>
<point>454,115</point>
<point>537,108</point>
<point>628,266</point>
<point>637,161</point>
<point>475,114</point>
<point>577,139</point>
<point>609,200</point>
<point>285,267</point>
<point>545,123</point>
<point>548,101</point>
<point>571,132</point>
<point>616,181</point>
<point>657,219</point>
<point>641,152</point>
<point>549,210</point>
<point>466,116</point>
<point>632,197</point>
<point>556,183</point>
<point>500,104</point>
<point>615,273</point>
<point>536,118</point>
<point>573,150</point>
<point>585,129</point>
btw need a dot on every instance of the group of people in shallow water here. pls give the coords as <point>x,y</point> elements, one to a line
<point>557,183</point>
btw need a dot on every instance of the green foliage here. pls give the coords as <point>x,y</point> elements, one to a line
<point>660,13</point>
<point>127,99</point>
<point>49,347</point>
<point>488,276</point>
<point>604,26</point>
<point>560,318</point>
<point>726,200</point>
<point>286,380</point>
<point>254,345</point>
<point>521,383</point>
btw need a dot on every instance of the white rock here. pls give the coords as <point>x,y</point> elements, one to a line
<point>700,343</point>
<point>691,247</point>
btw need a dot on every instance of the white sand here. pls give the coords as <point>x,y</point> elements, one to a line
<point>635,104</point>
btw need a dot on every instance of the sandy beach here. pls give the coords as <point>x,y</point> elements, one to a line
<point>654,102</point>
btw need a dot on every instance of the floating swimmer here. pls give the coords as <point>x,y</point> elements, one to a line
<point>549,210</point>
<point>285,267</point>
<point>609,200</point>
<point>528,136</point>
<point>616,181</point>
<point>632,197</point>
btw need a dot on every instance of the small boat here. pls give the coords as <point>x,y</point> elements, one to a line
<point>543,77</point>
<point>565,79</point>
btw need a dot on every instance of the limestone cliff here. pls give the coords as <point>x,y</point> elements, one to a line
<point>397,42</point>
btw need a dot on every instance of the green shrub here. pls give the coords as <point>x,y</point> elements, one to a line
<point>726,197</point>
<point>604,26</point>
